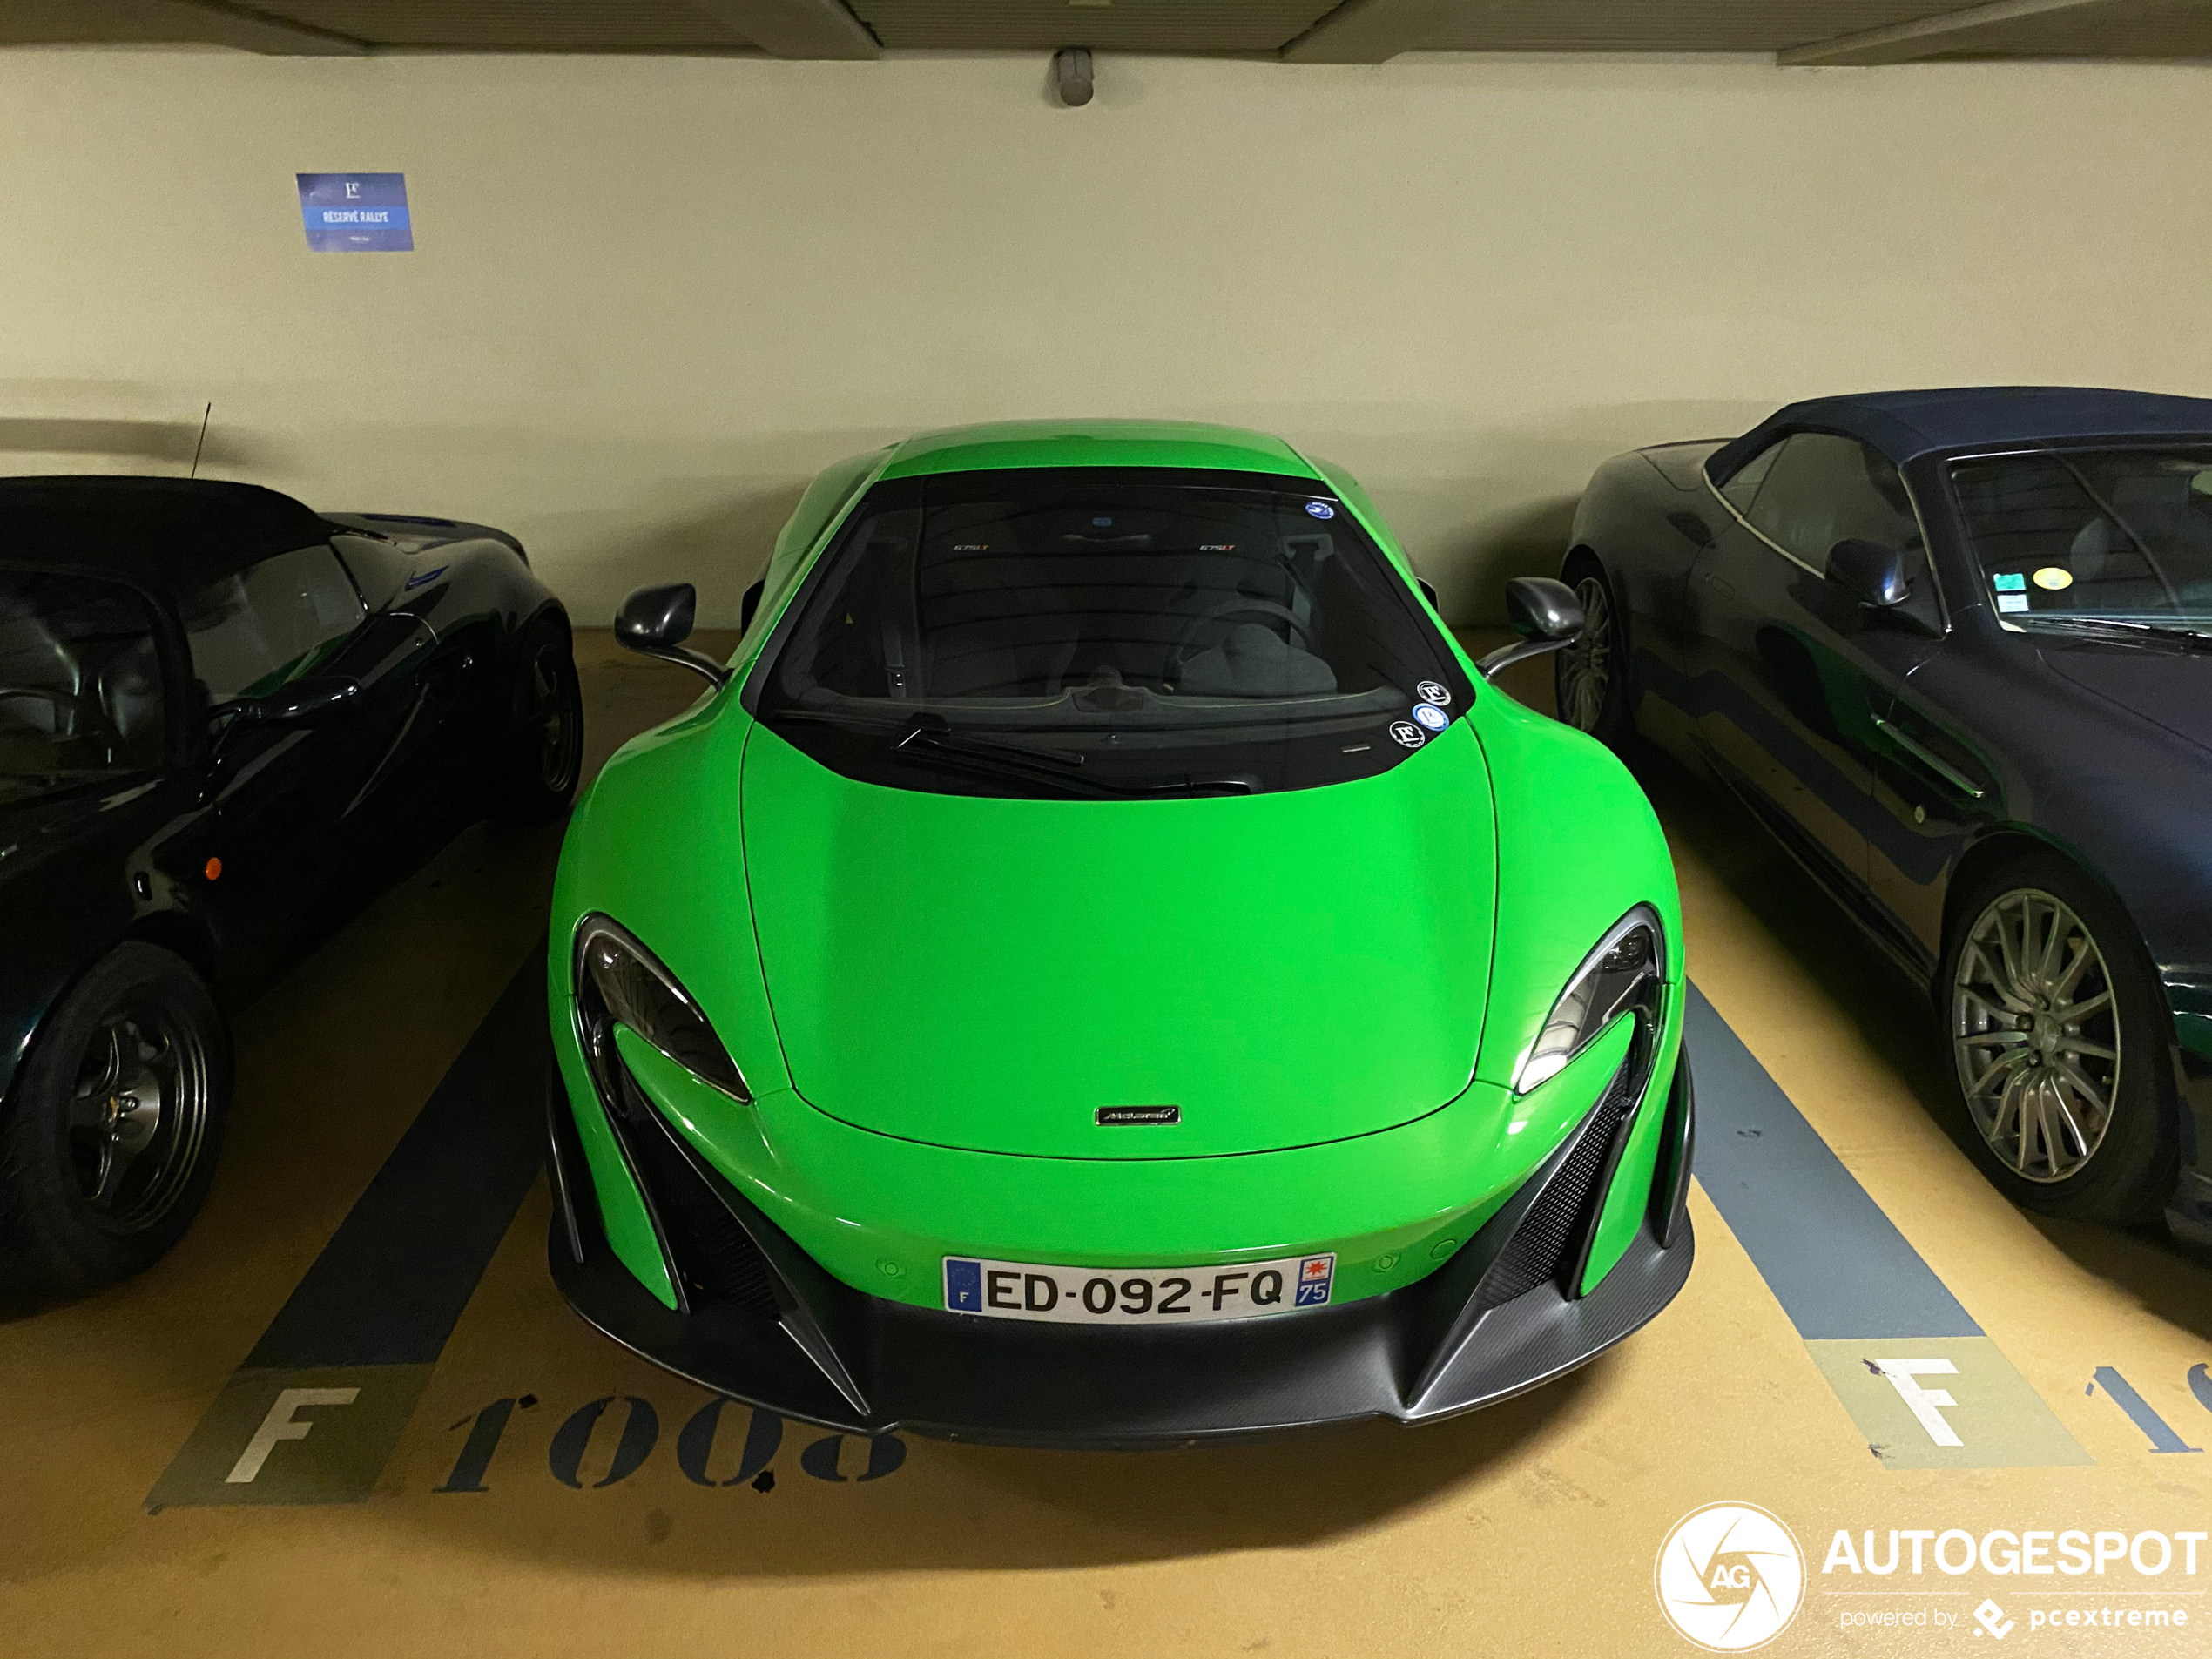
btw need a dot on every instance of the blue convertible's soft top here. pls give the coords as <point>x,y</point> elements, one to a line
<point>1905,424</point>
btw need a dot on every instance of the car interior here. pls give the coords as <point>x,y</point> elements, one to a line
<point>80,681</point>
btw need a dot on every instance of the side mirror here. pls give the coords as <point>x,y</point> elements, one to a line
<point>749,606</point>
<point>302,703</point>
<point>1544,612</point>
<point>1872,572</point>
<point>655,622</point>
<point>1428,592</point>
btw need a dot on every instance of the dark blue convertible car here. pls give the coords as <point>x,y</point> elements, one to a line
<point>1954,648</point>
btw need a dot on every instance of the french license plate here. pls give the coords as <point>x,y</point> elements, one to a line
<point>1148,1296</point>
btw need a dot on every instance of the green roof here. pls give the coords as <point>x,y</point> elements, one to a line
<point>1095,443</point>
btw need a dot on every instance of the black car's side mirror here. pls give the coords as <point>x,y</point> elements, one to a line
<point>1872,572</point>
<point>655,622</point>
<point>1545,613</point>
<point>302,703</point>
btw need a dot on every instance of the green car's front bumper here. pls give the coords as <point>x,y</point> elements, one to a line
<point>1545,1282</point>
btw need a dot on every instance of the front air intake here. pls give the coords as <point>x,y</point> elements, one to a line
<point>1552,1237</point>
<point>716,1256</point>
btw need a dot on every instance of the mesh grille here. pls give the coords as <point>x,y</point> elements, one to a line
<point>717,1257</point>
<point>1546,1240</point>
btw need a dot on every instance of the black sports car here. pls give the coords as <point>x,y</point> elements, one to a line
<point>225,721</point>
<point>1952,648</point>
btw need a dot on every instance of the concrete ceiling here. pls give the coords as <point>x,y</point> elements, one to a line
<point>1355,31</point>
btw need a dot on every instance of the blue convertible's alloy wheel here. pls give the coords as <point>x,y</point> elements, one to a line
<point>2057,1025</point>
<point>2035,1034</point>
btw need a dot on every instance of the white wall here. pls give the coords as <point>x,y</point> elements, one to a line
<point>651,296</point>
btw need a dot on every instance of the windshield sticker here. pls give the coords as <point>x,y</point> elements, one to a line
<point>2054,577</point>
<point>1432,716</point>
<point>2009,580</point>
<point>1320,509</point>
<point>1407,733</point>
<point>1217,547</point>
<point>2011,602</point>
<point>1439,695</point>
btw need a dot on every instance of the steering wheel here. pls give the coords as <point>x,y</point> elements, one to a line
<point>1239,606</point>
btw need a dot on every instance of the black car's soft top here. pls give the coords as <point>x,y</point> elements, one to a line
<point>1903,425</point>
<point>162,533</point>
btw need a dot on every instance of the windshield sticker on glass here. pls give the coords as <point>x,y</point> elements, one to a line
<point>2011,602</point>
<point>1439,695</point>
<point>2009,580</point>
<point>1320,509</point>
<point>2053,576</point>
<point>1432,716</point>
<point>1407,733</point>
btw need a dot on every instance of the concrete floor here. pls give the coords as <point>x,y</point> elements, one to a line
<point>1530,1529</point>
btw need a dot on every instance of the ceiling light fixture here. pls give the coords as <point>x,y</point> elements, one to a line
<point>1071,76</point>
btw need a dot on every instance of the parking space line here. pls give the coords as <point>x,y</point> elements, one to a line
<point>325,1395</point>
<point>1926,1387</point>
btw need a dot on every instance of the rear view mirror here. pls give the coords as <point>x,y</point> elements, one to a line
<point>1539,608</point>
<point>655,622</point>
<point>1872,572</point>
<point>1545,613</point>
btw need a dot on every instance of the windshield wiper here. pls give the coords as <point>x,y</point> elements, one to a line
<point>930,737</point>
<point>2112,628</point>
<point>945,747</point>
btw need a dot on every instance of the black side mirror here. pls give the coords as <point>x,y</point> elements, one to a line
<point>1872,572</point>
<point>655,622</point>
<point>1544,612</point>
<point>749,606</point>
<point>302,703</point>
<point>1428,592</point>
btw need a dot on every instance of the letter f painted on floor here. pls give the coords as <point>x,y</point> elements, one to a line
<point>279,1425</point>
<point>1923,1402</point>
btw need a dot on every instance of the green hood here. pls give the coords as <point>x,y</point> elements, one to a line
<point>1285,968</point>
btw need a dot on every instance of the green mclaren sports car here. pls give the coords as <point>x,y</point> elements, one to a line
<point>1099,966</point>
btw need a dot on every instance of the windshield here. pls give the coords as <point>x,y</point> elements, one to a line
<point>2120,535</point>
<point>1108,632</point>
<point>80,683</point>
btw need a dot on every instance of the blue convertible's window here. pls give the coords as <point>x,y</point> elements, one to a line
<point>1107,632</point>
<point>2120,535</point>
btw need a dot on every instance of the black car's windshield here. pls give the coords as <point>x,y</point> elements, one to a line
<point>80,683</point>
<point>2118,534</point>
<point>1133,630</point>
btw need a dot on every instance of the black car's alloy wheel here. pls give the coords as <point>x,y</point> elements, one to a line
<point>547,738</point>
<point>113,1125</point>
<point>2055,1028</point>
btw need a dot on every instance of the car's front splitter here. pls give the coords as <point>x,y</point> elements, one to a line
<point>1459,1339</point>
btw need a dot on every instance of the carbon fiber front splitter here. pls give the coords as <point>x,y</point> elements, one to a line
<point>867,1365</point>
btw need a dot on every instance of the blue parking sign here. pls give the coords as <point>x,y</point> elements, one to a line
<point>355,212</point>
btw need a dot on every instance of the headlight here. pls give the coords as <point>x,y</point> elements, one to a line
<point>1625,971</point>
<point>618,982</point>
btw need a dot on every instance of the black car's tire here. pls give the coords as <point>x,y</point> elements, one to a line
<point>544,738</point>
<point>2043,1016</point>
<point>1589,677</point>
<point>113,1125</point>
